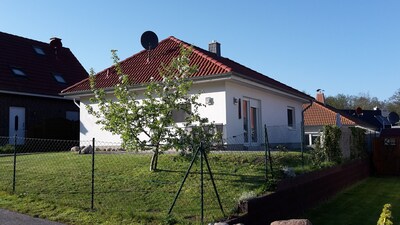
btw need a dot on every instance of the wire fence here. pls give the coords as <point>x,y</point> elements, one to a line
<point>102,176</point>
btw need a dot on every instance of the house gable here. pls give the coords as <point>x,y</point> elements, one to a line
<point>30,67</point>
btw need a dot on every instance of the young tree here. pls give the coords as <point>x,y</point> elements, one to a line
<point>153,116</point>
<point>394,102</point>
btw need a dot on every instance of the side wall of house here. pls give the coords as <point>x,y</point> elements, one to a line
<point>44,117</point>
<point>273,114</point>
<point>215,111</point>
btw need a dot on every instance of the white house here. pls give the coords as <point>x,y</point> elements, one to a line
<point>238,98</point>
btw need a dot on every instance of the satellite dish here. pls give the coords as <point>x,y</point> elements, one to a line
<point>393,118</point>
<point>149,40</point>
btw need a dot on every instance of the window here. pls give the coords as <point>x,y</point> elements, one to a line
<point>39,50</point>
<point>310,139</point>
<point>290,117</point>
<point>18,72</point>
<point>179,115</point>
<point>59,78</point>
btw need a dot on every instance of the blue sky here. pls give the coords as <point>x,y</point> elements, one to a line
<point>340,46</point>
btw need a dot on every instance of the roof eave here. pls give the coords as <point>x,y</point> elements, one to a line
<point>272,88</point>
<point>110,90</point>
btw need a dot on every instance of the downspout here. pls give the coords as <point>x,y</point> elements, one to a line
<point>302,132</point>
<point>76,103</point>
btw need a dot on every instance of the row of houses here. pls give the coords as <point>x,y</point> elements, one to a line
<point>43,88</point>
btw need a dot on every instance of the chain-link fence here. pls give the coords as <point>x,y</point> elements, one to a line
<point>118,183</point>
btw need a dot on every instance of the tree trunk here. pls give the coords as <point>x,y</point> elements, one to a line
<point>154,160</point>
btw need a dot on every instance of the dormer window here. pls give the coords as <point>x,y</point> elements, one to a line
<point>18,72</point>
<point>39,50</point>
<point>59,78</point>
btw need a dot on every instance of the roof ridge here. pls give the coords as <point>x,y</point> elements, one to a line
<point>203,55</point>
<point>333,109</point>
<point>28,39</point>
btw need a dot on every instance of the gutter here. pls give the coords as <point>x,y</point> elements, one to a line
<point>76,103</point>
<point>32,95</point>
<point>139,87</point>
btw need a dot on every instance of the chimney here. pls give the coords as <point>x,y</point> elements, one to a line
<point>215,47</point>
<point>320,96</point>
<point>56,45</point>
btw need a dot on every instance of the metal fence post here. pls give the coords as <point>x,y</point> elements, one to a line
<point>268,149</point>
<point>93,150</point>
<point>266,152</point>
<point>15,162</point>
<point>201,183</point>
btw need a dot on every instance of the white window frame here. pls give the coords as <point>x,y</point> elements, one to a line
<point>293,124</point>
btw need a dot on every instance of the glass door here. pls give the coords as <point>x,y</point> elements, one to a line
<point>251,121</point>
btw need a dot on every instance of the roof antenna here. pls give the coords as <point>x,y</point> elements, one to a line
<point>149,42</point>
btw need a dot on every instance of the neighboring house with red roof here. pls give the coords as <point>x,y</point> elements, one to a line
<point>320,114</point>
<point>238,98</point>
<point>32,75</point>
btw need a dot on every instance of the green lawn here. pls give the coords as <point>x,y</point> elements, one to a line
<point>57,186</point>
<point>361,204</point>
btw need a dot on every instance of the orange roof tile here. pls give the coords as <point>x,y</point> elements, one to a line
<point>140,70</point>
<point>319,114</point>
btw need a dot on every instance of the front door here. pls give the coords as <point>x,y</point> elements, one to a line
<point>251,121</point>
<point>17,125</point>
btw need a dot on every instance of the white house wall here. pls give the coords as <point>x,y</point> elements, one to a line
<point>88,127</point>
<point>215,112</point>
<point>273,113</point>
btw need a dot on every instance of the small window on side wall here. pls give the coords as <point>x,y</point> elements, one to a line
<point>290,117</point>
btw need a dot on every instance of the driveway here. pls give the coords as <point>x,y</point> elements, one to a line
<point>12,218</point>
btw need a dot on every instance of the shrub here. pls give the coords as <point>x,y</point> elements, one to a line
<point>317,154</point>
<point>357,144</point>
<point>6,149</point>
<point>327,148</point>
<point>331,143</point>
<point>386,215</point>
<point>246,196</point>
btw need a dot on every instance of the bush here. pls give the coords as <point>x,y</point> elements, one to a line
<point>327,146</point>
<point>357,145</point>
<point>5,149</point>
<point>386,215</point>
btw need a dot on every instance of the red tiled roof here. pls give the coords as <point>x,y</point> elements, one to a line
<point>209,64</point>
<point>18,52</point>
<point>319,114</point>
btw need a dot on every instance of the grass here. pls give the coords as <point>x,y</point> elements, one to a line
<point>361,204</point>
<point>57,186</point>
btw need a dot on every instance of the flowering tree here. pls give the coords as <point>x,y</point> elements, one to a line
<point>153,116</point>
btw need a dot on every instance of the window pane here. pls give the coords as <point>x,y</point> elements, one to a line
<point>39,50</point>
<point>18,72</point>
<point>59,78</point>
<point>245,122</point>
<point>290,117</point>
<point>253,121</point>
